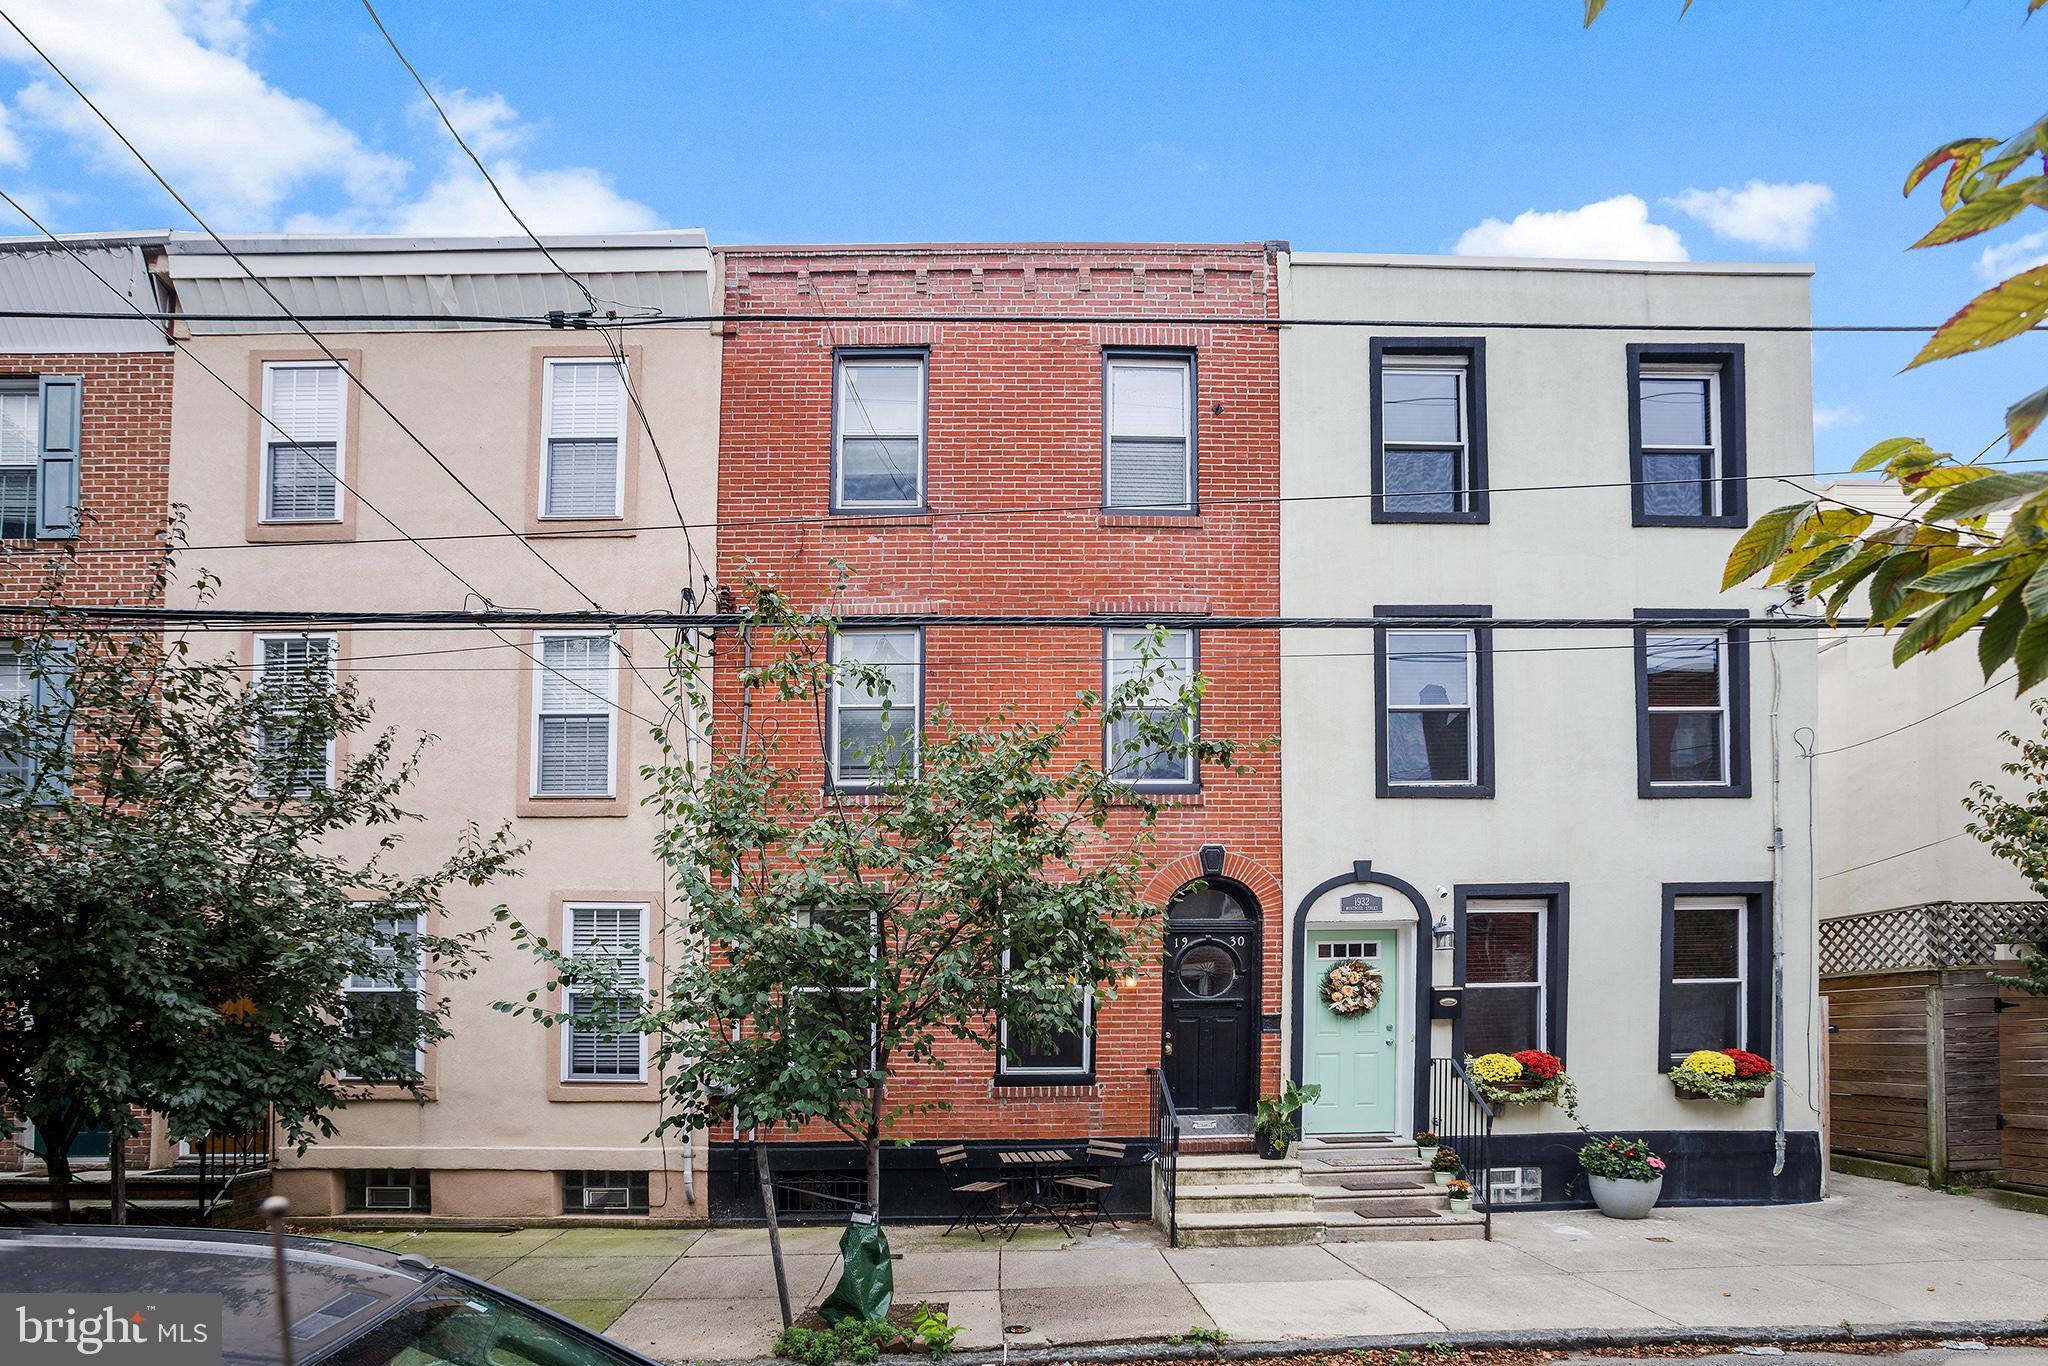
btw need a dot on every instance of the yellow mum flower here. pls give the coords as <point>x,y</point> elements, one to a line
<point>1709,1063</point>
<point>1498,1067</point>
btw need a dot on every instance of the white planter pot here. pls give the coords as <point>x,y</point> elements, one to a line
<point>1443,1178</point>
<point>1460,1206</point>
<point>1620,1199</point>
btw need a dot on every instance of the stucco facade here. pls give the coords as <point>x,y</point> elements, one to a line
<point>503,1121</point>
<point>1567,817</point>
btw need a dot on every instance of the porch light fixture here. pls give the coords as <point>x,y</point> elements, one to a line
<point>1129,981</point>
<point>1441,934</point>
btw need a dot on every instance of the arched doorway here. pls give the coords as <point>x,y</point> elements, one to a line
<point>1209,1043</point>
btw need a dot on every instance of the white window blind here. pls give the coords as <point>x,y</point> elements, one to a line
<point>392,989</point>
<point>597,1046</point>
<point>585,419</point>
<point>303,436</point>
<point>875,705</point>
<point>1128,757</point>
<point>573,704</point>
<point>1686,695</point>
<point>1678,416</point>
<point>1150,418</point>
<point>19,416</point>
<point>292,670</point>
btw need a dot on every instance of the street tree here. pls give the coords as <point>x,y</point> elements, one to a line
<point>2016,829</point>
<point>193,863</point>
<point>984,873</point>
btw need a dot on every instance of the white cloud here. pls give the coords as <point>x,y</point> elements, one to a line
<point>173,75</point>
<point>1617,229</point>
<point>1825,417</point>
<point>2002,262</point>
<point>487,123</point>
<point>573,199</point>
<point>12,153</point>
<point>1777,217</point>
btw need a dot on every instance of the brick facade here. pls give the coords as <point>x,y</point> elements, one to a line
<point>124,472</point>
<point>1013,525</point>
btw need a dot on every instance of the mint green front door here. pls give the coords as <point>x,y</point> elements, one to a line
<point>1352,1057</point>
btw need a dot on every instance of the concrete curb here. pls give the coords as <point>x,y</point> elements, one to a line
<point>1540,1339</point>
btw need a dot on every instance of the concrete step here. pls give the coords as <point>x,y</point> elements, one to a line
<point>1247,1197</point>
<point>1234,1169</point>
<point>1278,1228</point>
<point>1392,1179</point>
<point>1357,1229</point>
<point>1355,1168</point>
<point>1418,1207</point>
<point>1343,1197</point>
<point>1360,1142</point>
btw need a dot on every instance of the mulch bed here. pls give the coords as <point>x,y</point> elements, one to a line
<point>901,1316</point>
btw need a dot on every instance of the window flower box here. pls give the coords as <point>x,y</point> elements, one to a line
<point>1530,1077</point>
<point>1727,1075</point>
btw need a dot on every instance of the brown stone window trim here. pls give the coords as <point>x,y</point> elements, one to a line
<point>1138,606</point>
<point>620,802</point>
<point>648,1088</point>
<point>260,430</point>
<point>629,445</point>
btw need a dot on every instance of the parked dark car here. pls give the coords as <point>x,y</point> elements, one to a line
<point>350,1305</point>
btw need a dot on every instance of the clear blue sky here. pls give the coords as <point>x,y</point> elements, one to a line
<point>1383,126</point>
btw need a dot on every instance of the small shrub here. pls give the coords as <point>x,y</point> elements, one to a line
<point>1200,1334</point>
<point>810,1346</point>
<point>934,1333</point>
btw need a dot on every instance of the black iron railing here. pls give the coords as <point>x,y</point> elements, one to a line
<point>224,1157</point>
<point>1166,1148</point>
<point>1463,1121</point>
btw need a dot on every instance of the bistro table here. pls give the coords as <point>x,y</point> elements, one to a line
<point>1036,1167</point>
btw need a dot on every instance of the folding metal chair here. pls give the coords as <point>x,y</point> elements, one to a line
<point>974,1197</point>
<point>1092,1181</point>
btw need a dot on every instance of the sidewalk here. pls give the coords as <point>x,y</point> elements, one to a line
<point>1875,1253</point>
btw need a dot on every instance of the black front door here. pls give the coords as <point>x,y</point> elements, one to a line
<point>1210,1048</point>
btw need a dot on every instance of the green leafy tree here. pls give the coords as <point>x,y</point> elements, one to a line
<point>986,874</point>
<point>2016,829</point>
<point>179,906</point>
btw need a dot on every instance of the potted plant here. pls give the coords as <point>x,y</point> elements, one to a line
<point>1728,1075</point>
<point>1530,1077</point>
<point>1445,1166</point>
<point>1275,1124</point>
<point>1625,1175</point>
<point>1461,1195</point>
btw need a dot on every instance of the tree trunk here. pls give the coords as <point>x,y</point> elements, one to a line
<point>117,1177</point>
<point>871,1141</point>
<point>57,1166</point>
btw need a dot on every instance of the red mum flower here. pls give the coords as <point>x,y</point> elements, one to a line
<point>1750,1066</point>
<point>1540,1065</point>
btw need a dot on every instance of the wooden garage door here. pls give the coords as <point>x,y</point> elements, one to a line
<point>2023,1089</point>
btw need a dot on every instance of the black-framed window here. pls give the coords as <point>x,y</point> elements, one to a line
<point>1148,432</point>
<point>1692,707</point>
<point>1715,985</point>
<point>604,1192</point>
<point>1065,1057</point>
<point>1428,399</point>
<point>879,428</point>
<point>1126,758</point>
<point>1435,696</point>
<point>372,1190</point>
<point>1688,457</point>
<point>1513,951</point>
<point>876,707</point>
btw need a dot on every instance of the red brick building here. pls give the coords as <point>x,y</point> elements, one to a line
<point>85,440</point>
<point>1042,429</point>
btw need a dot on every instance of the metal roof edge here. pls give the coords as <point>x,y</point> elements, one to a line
<point>1756,268</point>
<point>288,243</point>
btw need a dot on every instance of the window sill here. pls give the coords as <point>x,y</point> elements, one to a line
<point>1429,518</point>
<point>856,796</point>
<point>1175,796</point>
<point>614,1092</point>
<point>1397,790</point>
<point>1077,1085</point>
<point>1643,519</point>
<point>342,531</point>
<point>385,1090</point>
<point>879,521</point>
<point>1149,521</point>
<point>1723,791</point>
<point>545,808</point>
<point>596,528</point>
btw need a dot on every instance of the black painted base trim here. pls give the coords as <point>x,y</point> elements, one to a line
<point>1706,1167</point>
<point>915,1189</point>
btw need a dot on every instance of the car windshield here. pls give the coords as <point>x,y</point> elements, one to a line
<point>461,1323</point>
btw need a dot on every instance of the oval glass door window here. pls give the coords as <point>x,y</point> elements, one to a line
<point>1206,970</point>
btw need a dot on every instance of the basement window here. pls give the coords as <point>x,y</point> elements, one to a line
<point>604,1193</point>
<point>374,1190</point>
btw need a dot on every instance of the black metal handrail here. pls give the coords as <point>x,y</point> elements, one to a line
<point>1463,1121</point>
<point>1166,1148</point>
<point>220,1165</point>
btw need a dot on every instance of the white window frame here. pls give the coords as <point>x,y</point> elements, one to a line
<point>1722,641</point>
<point>1470,706</point>
<point>414,924</point>
<point>541,669</point>
<point>1113,362</point>
<point>569,993</point>
<point>1006,1068</point>
<point>914,707</point>
<point>855,360</point>
<point>550,367</point>
<point>261,670</point>
<point>1540,908</point>
<point>33,466</point>
<point>274,435</point>
<point>1459,369</point>
<point>1189,777</point>
<point>1741,908</point>
<point>1716,459</point>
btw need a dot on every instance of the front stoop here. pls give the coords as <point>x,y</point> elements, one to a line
<point>1242,1200</point>
<point>1374,1187</point>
